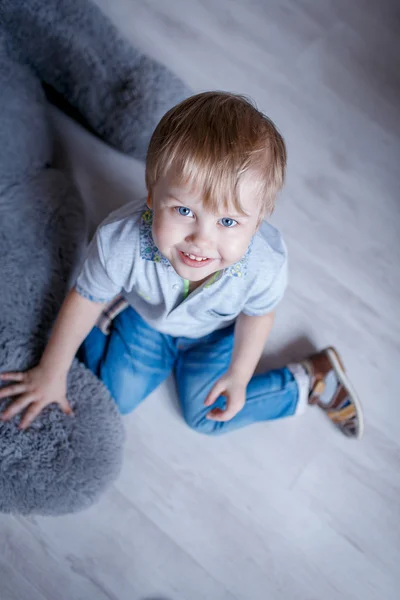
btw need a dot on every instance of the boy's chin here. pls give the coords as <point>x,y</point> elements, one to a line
<point>192,274</point>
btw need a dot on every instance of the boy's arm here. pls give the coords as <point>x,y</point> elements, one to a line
<point>76,318</point>
<point>251,333</point>
<point>47,382</point>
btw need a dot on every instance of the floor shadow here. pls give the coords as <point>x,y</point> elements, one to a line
<point>297,350</point>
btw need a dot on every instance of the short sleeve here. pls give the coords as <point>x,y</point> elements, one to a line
<point>95,280</point>
<point>267,292</point>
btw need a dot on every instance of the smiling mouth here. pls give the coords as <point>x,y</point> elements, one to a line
<point>194,257</point>
<point>192,260</point>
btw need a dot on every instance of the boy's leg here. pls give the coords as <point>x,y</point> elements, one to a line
<point>131,361</point>
<point>200,364</point>
<point>321,380</point>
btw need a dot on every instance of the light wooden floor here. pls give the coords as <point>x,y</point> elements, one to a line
<point>287,510</point>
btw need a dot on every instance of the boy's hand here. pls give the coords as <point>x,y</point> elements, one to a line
<point>36,389</point>
<point>235,392</point>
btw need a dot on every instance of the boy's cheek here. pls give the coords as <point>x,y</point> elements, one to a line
<point>164,234</point>
<point>237,247</point>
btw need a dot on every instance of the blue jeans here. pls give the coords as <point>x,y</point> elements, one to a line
<point>135,358</point>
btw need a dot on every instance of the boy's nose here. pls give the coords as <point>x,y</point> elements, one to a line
<point>199,238</point>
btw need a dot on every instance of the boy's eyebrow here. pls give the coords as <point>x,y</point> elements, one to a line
<point>232,215</point>
<point>172,197</point>
<point>239,215</point>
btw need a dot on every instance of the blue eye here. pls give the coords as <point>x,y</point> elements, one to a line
<point>227,222</point>
<point>184,211</point>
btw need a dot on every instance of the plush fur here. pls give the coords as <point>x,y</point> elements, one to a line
<point>116,91</point>
<point>60,464</point>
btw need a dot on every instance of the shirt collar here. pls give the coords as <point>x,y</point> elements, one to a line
<point>149,251</point>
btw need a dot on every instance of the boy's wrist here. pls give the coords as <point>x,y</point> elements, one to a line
<point>239,374</point>
<point>60,369</point>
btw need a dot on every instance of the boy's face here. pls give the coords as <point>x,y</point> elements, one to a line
<point>195,241</point>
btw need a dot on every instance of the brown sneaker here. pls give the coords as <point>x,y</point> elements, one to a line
<point>332,391</point>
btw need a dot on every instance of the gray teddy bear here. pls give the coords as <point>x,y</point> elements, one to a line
<point>70,52</point>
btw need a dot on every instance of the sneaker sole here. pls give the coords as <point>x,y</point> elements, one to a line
<point>342,376</point>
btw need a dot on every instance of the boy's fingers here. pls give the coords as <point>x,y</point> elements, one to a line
<point>216,391</point>
<point>215,415</point>
<point>17,406</point>
<point>13,390</point>
<point>222,415</point>
<point>30,414</point>
<point>12,376</point>
<point>66,407</point>
<point>233,407</point>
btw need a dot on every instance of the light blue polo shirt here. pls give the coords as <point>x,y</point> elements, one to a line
<point>123,259</point>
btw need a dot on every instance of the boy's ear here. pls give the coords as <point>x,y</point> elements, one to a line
<point>149,201</point>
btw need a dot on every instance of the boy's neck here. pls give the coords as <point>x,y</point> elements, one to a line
<point>193,285</point>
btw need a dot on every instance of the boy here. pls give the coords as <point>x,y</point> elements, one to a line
<point>193,281</point>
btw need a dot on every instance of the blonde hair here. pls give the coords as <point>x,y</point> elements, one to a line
<point>211,140</point>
